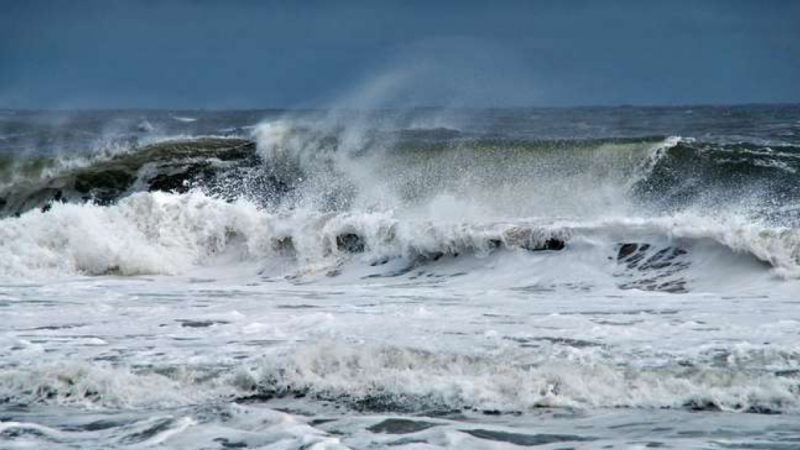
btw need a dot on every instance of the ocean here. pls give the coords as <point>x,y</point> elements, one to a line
<point>598,278</point>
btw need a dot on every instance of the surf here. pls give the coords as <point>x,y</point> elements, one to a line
<point>396,276</point>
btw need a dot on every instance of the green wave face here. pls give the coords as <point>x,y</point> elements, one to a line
<point>407,168</point>
<point>168,166</point>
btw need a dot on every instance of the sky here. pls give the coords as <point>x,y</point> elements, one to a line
<point>307,54</point>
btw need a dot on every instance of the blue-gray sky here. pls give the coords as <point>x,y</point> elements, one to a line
<point>299,54</point>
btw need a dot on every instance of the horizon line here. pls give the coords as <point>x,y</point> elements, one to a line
<point>400,108</point>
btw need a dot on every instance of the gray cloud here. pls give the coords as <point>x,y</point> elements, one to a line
<point>236,54</point>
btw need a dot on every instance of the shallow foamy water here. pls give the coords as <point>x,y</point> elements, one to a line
<point>228,358</point>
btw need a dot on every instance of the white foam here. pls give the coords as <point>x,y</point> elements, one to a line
<point>159,233</point>
<point>144,233</point>
<point>404,379</point>
<point>184,119</point>
<point>81,383</point>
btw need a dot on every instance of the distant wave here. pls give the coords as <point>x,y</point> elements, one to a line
<point>184,119</point>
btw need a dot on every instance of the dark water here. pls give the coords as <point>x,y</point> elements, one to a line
<point>767,124</point>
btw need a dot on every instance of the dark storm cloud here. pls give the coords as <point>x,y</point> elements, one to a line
<point>222,54</point>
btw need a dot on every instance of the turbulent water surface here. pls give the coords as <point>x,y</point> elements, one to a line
<point>548,278</point>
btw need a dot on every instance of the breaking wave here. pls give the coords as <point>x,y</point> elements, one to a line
<point>315,191</point>
<point>162,233</point>
<point>369,378</point>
